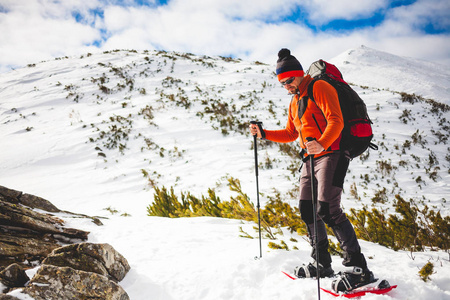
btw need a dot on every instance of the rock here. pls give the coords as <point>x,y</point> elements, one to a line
<point>23,217</point>
<point>80,271</point>
<point>29,235</point>
<point>32,201</point>
<point>74,271</point>
<point>37,202</point>
<point>24,246</point>
<point>65,283</point>
<point>10,195</point>
<point>97,258</point>
<point>8,297</point>
<point>14,276</point>
<point>17,197</point>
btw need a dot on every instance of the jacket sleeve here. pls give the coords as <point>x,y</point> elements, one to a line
<point>327,100</point>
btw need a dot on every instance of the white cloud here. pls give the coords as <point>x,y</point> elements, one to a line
<point>232,9</point>
<point>422,12</point>
<point>117,18</point>
<point>323,11</point>
<point>402,32</point>
<point>207,31</point>
<point>50,8</point>
<point>35,30</point>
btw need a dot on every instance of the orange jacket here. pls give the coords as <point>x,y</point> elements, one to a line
<point>327,112</point>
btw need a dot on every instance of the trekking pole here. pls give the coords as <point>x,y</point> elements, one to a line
<point>314,202</point>
<point>257,185</point>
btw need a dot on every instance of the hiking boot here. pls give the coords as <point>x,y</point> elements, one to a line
<point>311,271</point>
<point>348,281</point>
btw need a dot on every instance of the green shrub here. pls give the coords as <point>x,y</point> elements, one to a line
<point>410,228</point>
<point>335,249</point>
<point>280,246</point>
<point>276,214</point>
<point>426,271</point>
<point>280,214</point>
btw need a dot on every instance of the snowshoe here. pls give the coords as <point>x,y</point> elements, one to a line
<point>349,281</point>
<point>382,288</point>
<point>310,271</point>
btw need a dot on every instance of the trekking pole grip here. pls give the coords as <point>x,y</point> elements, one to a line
<point>259,124</point>
<point>255,146</point>
<point>309,139</point>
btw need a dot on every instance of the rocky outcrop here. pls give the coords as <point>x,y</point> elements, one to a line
<point>17,197</point>
<point>28,235</point>
<point>96,258</point>
<point>77,270</point>
<point>80,271</point>
<point>65,283</point>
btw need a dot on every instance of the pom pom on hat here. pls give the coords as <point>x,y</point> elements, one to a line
<point>284,53</point>
<point>288,65</point>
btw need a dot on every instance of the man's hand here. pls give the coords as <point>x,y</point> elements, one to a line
<point>313,147</point>
<point>254,129</point>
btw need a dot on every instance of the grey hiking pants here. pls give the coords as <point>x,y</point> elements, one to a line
<point>330,173</point>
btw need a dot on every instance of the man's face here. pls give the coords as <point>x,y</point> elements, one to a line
<point>291,84</point>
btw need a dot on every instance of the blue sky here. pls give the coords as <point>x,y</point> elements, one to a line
<point>36,30</point>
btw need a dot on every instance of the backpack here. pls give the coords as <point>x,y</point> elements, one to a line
<point>357,133</point>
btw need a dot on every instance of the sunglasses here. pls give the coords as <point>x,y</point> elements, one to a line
<point>289,81</point>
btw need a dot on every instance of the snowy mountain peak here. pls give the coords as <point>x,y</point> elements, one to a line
<point>377,69</point>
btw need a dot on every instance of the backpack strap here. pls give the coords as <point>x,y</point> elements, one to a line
<point>311,96</point>
<point>311,85</point>
<point>303,102</point>
<point>373,146</point>
<point>310,89</point>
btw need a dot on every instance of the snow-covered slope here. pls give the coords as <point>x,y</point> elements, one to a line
<point>377,69</point>
<point>94,134</point>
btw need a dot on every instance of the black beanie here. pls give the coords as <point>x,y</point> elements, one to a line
<point>288,65</point>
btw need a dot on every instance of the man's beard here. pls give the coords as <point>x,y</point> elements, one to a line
<point>293,91</point>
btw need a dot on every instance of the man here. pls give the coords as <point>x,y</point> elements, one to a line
<point>321,120</point>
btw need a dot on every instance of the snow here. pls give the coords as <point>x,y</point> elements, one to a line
<point>49,139</point>
<point>376,69</point>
